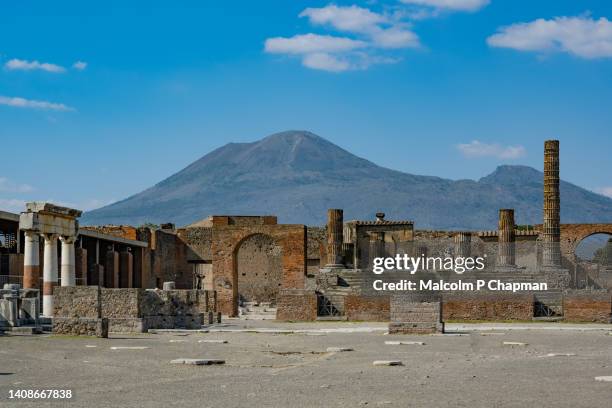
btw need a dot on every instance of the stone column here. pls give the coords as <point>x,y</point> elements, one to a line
<point>49,273</point>
<point>335,227</point>
<point>377,245</point>
<point>608,254</point>
<point>31,262</point>
<point>463,244</point>
<point>551,251</point>
<point>68,261</point>
<point>506,239</point>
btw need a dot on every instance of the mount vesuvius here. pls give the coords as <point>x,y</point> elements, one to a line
<point>298,175</point>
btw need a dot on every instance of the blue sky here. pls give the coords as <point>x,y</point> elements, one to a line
<point>99,100</point>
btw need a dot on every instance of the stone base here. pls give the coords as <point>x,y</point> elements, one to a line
<point>76,326</point>
<point>416,328</point>
<point>556,277</point>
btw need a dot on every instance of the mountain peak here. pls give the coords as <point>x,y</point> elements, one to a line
<point>298,175</point>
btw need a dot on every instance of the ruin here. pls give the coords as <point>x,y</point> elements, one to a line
<point>254,267</point>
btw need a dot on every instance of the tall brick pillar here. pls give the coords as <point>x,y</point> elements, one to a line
<point>463,244</point>
<point>335,227</point>
<point>551,251</point>
<point>506,239</point>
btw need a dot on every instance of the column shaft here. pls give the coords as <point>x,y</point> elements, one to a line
<point>68,262</point>
<point>551,254</point>
<point>335,227</point>
<point>506,239</point>
<point>49,273</point>
<point>31,262</point>
<point>463,244</point>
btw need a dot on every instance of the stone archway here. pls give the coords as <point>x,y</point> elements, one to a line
<point>593,261</point>
<point>258,269</point>
<point>228,233</point>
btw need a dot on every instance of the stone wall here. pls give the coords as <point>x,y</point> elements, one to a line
<point>416,313</point>
<point>367,308</point>
<point>587,306</point>
<point>131,310</point>
<point>487,306</point>
<point>297,305</point>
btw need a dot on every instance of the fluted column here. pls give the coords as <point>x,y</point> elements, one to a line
<point>377,245</point>
<point>608,254</point>
<point>68,261</point>
<point>49,273</point>
<point>551,251</point>
<point>506,238</point>
<point>31,261</point>
<point>335,227</point>
<point>463,244</point>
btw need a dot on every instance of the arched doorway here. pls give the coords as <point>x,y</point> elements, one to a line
<point>593,261</point>
<point>259,270</point>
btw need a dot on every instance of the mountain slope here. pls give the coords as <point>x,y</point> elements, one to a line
<point>298,175</point>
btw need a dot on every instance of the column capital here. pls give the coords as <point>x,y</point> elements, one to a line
<point>67,239</point>
<point>49,237</point>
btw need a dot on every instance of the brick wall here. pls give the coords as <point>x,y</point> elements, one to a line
<point>587,306</point>
<point>227,238</point>
<point>297,305</point>
<point>367,308</point>
<point>487,306</point>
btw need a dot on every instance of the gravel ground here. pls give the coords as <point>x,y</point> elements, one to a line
<point>554,368</point>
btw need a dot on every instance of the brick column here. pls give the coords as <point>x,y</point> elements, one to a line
<point>31,262</point>
<point>335,227</point>
<point>506,239</point>
<point>463,241</point>
<point>551,252</point>
<point>49,273</point>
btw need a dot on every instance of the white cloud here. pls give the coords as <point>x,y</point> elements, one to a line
<point>352,19</point>
<point>373,33</point>
<point>325,62</point>
<point>79,65</point>
<point>453,5</point>
<point>478,149</point>
<point>607,191</point>
<point>7,186</point>
<point>580,36</point>
<point>23,65</point>
<point>311,43</point>
<point>33,104</point>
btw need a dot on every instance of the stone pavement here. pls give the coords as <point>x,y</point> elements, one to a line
<point>289,365</point>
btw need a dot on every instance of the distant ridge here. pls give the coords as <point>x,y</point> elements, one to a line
<point>298,175</point>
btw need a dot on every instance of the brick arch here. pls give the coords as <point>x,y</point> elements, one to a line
<point>225,244</point>
<point>573,234</point>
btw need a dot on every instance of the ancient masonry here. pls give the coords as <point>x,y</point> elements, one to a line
<point>251,265</point>
<point>506,239</point>
<point>551,234</point>
<point>335,226</point>
<point>463,244</point>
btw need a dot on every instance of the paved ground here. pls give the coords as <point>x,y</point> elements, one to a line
<point>286,370</point>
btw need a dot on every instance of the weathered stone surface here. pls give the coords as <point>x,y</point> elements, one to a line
<point>297,305</point>
<point>488,306</point>
<point>387,363</point>
<point>75,326</point>
<point>587,306</point>
<point>338,349</point>
<point>367,308</point>
<point>197,361</point>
